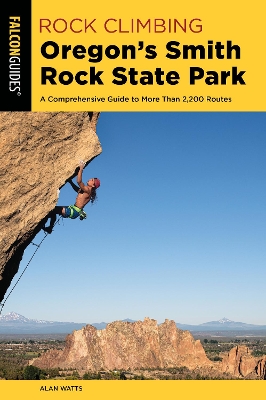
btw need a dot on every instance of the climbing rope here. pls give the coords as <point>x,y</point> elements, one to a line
<point>37,248</point>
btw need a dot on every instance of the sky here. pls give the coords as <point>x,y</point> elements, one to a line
<point>178,230</point>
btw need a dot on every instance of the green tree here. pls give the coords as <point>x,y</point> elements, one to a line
<point>31,373</point>
<point>91,376</point>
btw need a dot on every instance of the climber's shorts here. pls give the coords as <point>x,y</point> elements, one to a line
<point>72,212</point>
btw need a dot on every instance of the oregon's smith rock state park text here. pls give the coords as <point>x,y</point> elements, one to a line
<point>175,50</point>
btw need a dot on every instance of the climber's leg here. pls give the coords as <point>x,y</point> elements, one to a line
<point>58,210</point>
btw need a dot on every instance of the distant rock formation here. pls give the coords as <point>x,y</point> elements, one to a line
<point>261,368</point>
<point>39,152</point>
<point>126,345</point>
<point>240,363</point>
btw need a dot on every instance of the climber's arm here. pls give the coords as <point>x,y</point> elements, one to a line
<point>79,179</point>
<point>75,187</point>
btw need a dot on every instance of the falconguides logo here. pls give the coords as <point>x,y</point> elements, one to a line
<point>14,55</point>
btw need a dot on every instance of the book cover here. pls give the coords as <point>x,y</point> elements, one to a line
<point>164,103</point>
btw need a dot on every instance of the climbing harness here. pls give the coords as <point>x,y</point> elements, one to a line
<point>80,211</point>
<point>37,248</point>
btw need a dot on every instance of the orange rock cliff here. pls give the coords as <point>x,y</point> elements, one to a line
<point>126,345</point>
<point>39,152</point>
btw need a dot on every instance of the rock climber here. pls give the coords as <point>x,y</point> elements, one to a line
<point>85,194</point>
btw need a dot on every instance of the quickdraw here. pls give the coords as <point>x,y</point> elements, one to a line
<point>82,215</point>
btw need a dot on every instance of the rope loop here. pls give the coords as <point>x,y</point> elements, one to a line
<point>37,248</point>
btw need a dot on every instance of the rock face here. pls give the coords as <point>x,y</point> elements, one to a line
<point>261,368</point>
<point>126,345</point>
<point>239,362</point>
<point>39,152</point>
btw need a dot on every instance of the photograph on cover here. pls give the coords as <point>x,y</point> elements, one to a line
<point>133,246</point>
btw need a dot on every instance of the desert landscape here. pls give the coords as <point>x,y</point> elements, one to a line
<point>133,351</point>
